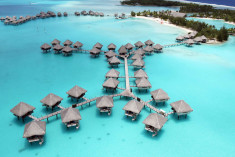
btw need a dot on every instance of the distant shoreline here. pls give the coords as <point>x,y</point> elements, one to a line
<point>208,18</point>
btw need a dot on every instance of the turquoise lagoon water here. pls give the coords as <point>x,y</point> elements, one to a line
<point>204,76</point>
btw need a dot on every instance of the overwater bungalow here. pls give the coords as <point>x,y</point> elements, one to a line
<point>70,117</point>
<point>149,43</point>
<point>136,56</point>
<point>22,110</point>
<point>186,36</point>
<point>192,34</point>
<point>76,92</point>
<point>98,46</point>
<point>105,104</point>
<point>110,54</point>
<point>111,84</point>
<point>112,46</point>
<point>204,39</point>
<point>46,47</point>
<point>101,14</point>
<point>95,52</point>
<point>181,108</point>
<point>84,12</point>
<point>112,74</point>
<point>91,13</point>
<point>197,40</point>
<point>114,61</point>
<point>58,48</point>
<point>55,42</point>
<point>148,49</point>
<point>129,46</point>
<point>178,14</point>
<point>65,14</point>
<point>77,45</point>
<point>189,42</point>
<point>180,38</point>
<point>143,84</point>
<point>97,14</point>
<point>140,51</point>
<point>68,43</point>
<point>67,50</point>
<point>34,131</point>
<point>122,50</point>
<point>158,48</point>
<point>139,44</point>
<point>160,95</point>
<point>154,122</point>
<point>2,18</point>
<point>77,13</point>
<point>59,14</point>
<point>133,109</point>
<point>51,101</point>
<point>139,63</point>
<point>140,74</point>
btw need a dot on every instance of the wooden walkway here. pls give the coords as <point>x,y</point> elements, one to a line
<point>127,74</point>
<point>49,115</point>
<point>149,101</point>
<point>61,107</point>
<point>175,44</point>
<point>32,117</point>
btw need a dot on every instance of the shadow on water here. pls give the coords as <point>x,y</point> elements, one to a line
<point>32,146</point>
<point>182,119</point>
<point>129,119</point>
<point>102,114</point>
<point>20,122</point>
<point>69,130</point>
<point>148,134</point>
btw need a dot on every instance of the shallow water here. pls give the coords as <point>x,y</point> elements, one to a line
<point>203,75</point>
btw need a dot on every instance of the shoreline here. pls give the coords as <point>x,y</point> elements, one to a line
<point>166,23</point>
<point>160,21</point>
<point>208,18</point>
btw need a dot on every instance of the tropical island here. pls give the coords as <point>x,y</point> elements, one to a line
<point>196,10</point>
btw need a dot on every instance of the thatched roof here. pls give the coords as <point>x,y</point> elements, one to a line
<point>111,83</point>
<point>189,41</point>
<point>114,60</point>
<point>136,56</point>
<point>70,114</point>
<point>149,42</point>
<point>140,73</point>
<point>155,120</point>
<point>180,38</point>
<point>45,46</point>
<point>77,44</point>
<point>129,46</point>
<point>122,50</point>
<point>158,47</point>
<point>58,47</point>
<point>143,83</point>
<point>127,93</point>
<point>139,44</point>
<point>198,39</point>
<point>160,94</point>
<point>34,128</point>
<point>51,99</point>
<point>104,101</point>
<point>148,49</point>
<point>68,42</point>
<point>133,106</point>
<point>110,54</point>
<point>55,41</point>
<point>140,52</point>
<point>186,36</point>
<point>95,51</point>
<point>203,37</point>
<point>22,109</point>
<point>67,49</point>
<point>112,73</point>
<point>181,107</point>
<point>138,62</point>
<point>76,91</point>
<point>98,45</point>
<point>112,46</point>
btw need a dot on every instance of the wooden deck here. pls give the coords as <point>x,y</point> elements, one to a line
<point>49,115</point>
<point>32,117</point>
<point>127,74</point>
<point>175,44</point>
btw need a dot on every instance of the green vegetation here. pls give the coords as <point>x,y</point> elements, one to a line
<point>202,28</point>
<point>208,11</point>
<point>151,2</point>
<point>198,10</point>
